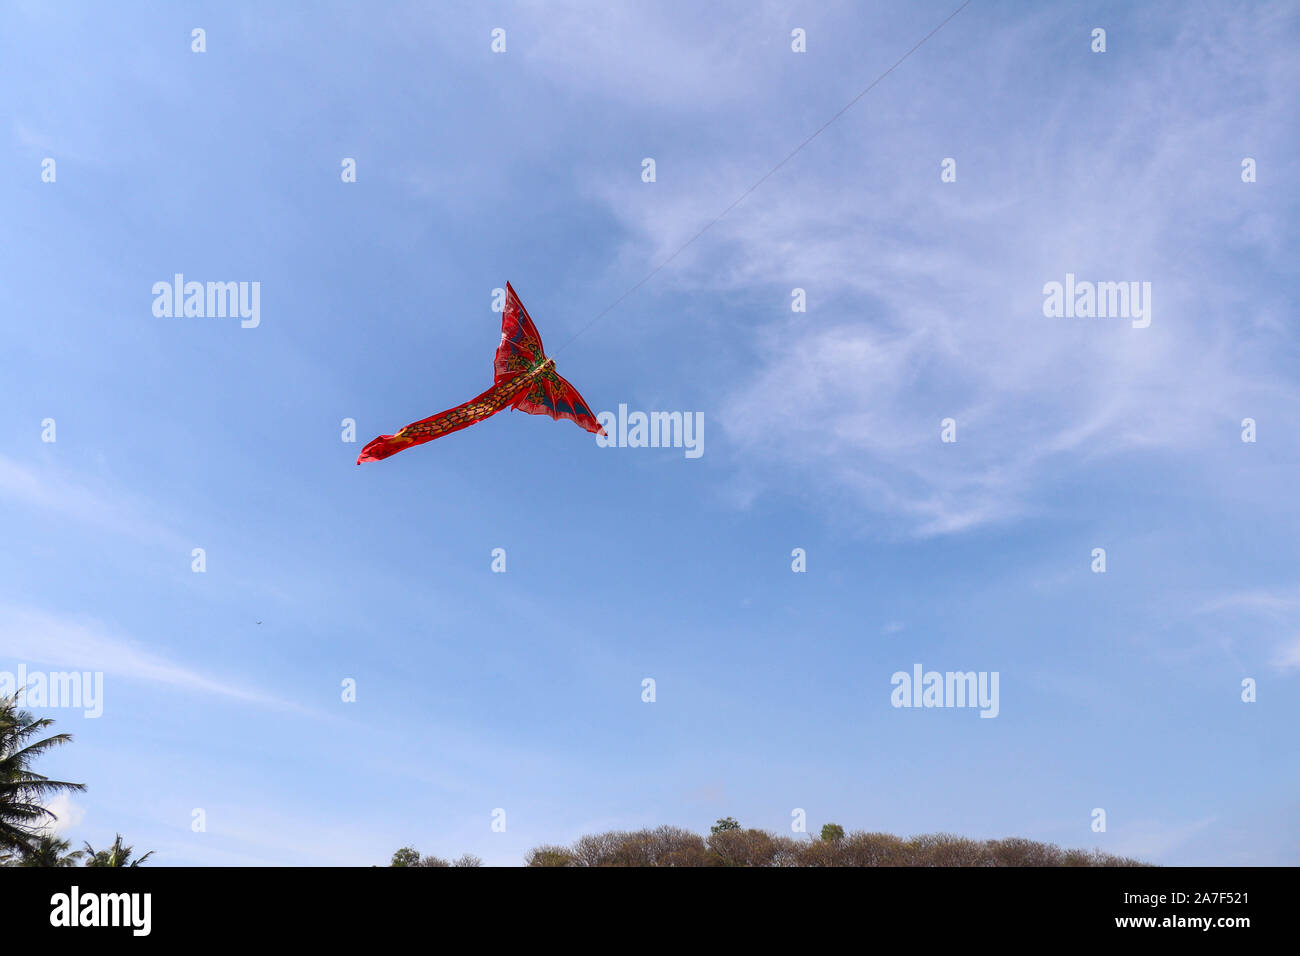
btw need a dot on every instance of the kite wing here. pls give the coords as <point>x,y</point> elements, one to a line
<point>550,394</point>
<point>521,347</point>
<point>521,351</point>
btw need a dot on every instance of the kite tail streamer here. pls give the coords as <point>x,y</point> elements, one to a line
<point>444,423</point>
<point>380,448</point>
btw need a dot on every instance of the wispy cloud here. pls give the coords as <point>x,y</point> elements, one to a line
<point>1269,602</point>
<point>668,65</point>
<point>926,298</point>
<point>1272,618</point>
<point>52,489</point>
<point>1287,657</point>
<point>35,636</point>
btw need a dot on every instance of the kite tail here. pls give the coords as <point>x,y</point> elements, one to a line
<point>444,423</point>
<point>380,448</point>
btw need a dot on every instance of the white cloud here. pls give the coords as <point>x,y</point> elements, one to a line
<point>1274,603</point>
<point>49,489</point>
<point>1273,620</point>
<point>925,299</point>
<point>68,813</point>
<point>37,637</point>
<point>1287,657</point>
<point>644,52</point>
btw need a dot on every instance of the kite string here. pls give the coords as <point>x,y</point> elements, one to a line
<point>714,221</point>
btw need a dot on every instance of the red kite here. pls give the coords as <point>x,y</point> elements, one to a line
<point>525,379</point>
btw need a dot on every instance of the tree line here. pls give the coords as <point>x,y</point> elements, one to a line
<point>730,844</point>
<point>26,837</point>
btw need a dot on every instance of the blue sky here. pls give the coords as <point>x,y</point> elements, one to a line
<point>523,691</point>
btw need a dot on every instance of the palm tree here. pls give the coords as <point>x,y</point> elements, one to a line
<point>115,855</point>
<point>49,850</point>
<point>23,792</point>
